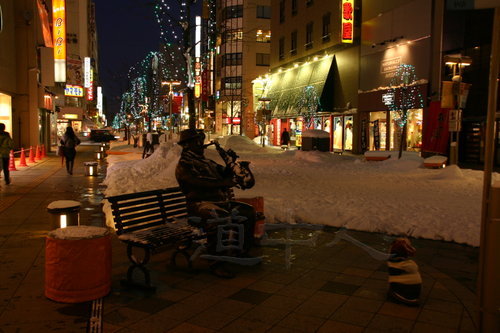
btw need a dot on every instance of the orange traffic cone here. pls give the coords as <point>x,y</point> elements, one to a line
<point>37,156</point>
<point>22,159</point>
<point>31,159</point>
<point>12,163</point>
<point>43,151</point>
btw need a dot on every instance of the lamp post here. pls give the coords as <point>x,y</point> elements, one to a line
<point>170,84</point>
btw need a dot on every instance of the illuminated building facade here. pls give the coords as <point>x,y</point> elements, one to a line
<point>43,46</point>
<point>243,54</point>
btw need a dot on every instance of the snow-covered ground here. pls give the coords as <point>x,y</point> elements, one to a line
<point>392,196</point>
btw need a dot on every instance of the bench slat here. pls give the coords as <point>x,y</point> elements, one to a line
<point>132,228</point>
<point>156,212</point>
<point>128,196</point>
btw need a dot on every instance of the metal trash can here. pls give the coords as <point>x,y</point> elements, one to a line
<point>77,264</point>
<point>64,213</point>
<point>316,140</point>
<point>91,168</point>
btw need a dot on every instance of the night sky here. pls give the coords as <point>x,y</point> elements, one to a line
<point>127,31</point>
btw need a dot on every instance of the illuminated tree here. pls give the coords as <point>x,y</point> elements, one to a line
<point>406,96</point>
<point>308,104</point>
<point>176,29</point>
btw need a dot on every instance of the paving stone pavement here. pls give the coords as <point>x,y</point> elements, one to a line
<point>326,289</point>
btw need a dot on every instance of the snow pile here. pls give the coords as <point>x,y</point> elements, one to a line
<point>314,133</point>
<point>393,196</point>
<point>78,232</point>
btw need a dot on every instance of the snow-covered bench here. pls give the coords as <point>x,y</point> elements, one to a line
<point>156,221</point>
<point>146,220</point>
<point>436,161</point>
<point>377,155</point>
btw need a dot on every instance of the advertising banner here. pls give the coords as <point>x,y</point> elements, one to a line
<point>435,132</point>
<point>59,35</point>
<point>44,19</point>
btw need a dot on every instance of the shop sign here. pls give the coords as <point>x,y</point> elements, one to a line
<point>204,85</point>
<point>86,73</point>
<point>388,67</point>
<point>44,19</point>
<point>388,99</point>
<point>90,89</point>
<point>59,36</point>
<point>74,91</point>
<point>347,28</point>
<point>70,116</point>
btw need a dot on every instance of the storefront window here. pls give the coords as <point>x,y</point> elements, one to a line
<point>413,133</point>
<point>378,130</point>
<point>337,133</point>
<point>6,112</point>
<point>414,130</point>
<point>326,124</point>
<point>348,133</point>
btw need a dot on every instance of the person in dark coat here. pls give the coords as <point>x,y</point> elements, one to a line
<point>69,142</point>
<point>6,145</point>
<point>206,185</point>
<point>285,138</point>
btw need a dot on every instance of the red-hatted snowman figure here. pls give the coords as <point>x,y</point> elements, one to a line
<point>405,282</point>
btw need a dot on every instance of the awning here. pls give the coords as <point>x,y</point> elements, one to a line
<point>285,88</point>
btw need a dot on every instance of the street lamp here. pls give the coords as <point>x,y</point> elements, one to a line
<point>170,84</point>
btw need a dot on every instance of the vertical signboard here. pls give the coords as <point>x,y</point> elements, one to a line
<point>347,21</point>
<point>86,72</point>
<point>59,35</point>
<point>99,100</point>
<point>197,54</point>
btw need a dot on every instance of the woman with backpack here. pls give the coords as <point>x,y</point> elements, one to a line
<point>69,142</point>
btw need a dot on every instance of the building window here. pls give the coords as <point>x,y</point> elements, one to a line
<point>309,35</point>
<point>232,59</point>
<point>232,82</point>
<point>326,27</point>
<point>282,48</point>
<point>309,3</point>
<point>264,12</point>
<point>232,12</point>
<point>293,43</point>
<point>232,35</point>
<point>262,59</point>
<point>263,36</point>
<point>294,7</point>
<point>282,11</point>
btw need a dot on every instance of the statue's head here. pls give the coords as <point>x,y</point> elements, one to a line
<point>192,139</point>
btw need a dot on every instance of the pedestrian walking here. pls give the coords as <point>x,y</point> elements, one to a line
<point>69,142</point>
<point>149,149</point>
<point>285,139</point>
<point>6,145</point>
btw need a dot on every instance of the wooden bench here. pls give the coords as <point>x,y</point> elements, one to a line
<point>155,221</point>
<point>435,162</point>
<point>146,220</point>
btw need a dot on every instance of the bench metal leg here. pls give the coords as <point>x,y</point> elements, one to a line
<point>137,263</point>
<point>182,250</point>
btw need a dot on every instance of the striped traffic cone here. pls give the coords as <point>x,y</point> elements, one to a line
<point>22,159</point>
<point>37,156</point>
<point>31,159</point>
<point>12,163</point>
<point>43,151</point>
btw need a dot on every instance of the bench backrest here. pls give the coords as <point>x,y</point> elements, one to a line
<point>141,210</point>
